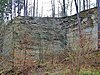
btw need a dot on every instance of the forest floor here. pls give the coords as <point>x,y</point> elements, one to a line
<point>59,64</point>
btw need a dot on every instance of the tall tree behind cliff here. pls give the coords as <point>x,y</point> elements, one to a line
<point>34,9</point>
<point>37,9</point>
<point>83,4</point>
<point>19,8</point>
<point>53,8</point>
<point>15,8</point>
<point>96,2</point>
<point>80,5</point>
<point>71,3</point>
<point>25,7</point>
<point>64,9</point>
<point>87,4</point>
<point>42,10</point>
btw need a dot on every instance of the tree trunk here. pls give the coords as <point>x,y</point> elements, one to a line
<point>18,7</point>
<point>37,9</point>
<point>83,4</point>
<point>80,36</point>
<point>64,10</point>
<point>53,8</point>
<point>14,9</point>
<point>87,3</point>
<point>71,7</point>
<point>24,7</point>
<point>42,10</point>
<point>10,4</point>
<point>79,5</point>
<point>96,3</point>
<point>78,18</point>
<point>34,9</point>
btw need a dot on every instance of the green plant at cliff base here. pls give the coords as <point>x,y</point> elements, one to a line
<point>89,73</point>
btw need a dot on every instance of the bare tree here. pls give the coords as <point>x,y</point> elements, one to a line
<point>34,9</point>
<point>19,8</point>
<point>15,8</point>
<point>53,8</point>
<point>83,4</point>
<point>37,9</point>
<point>24,7</point>
<point>87,4</point>
<point>96,2</point>
<point>71,7</point>
<point>60,12</point>
<point>42,10</point>
<point>79,5</point>
<point>64,9</point>
<point>80,36</point>
<point>78,18</point>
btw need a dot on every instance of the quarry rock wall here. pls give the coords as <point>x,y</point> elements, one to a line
<point>34,34</point>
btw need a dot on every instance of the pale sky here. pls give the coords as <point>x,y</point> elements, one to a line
<point>45,7</point>
<point>46,4</point>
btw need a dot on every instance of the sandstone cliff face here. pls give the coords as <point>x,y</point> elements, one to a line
<point>89,28</point>
<point>26,39</point>
<point>48,33</point>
